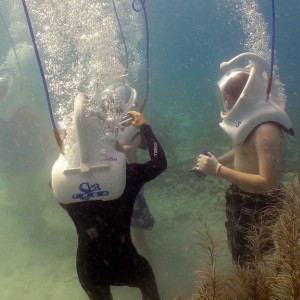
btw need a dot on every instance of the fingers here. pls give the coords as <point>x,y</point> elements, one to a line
<point>132,113</point>
<point>138,119</point>
<point>203,161</point>
<point>209,154</point>
<point>135,116</point>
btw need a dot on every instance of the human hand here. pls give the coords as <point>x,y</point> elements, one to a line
<point>195,169</point>
<point>138,119</point>
<point>208,164</point>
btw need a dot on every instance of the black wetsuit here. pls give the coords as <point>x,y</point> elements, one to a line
<point>106,255</point>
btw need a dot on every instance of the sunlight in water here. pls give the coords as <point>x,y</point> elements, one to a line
<point>83,53</point>
<point>81,47</point>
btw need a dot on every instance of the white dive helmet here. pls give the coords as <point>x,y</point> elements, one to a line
<point>120,99</point>
<point>128,96</point>
<point>95,176</point>
<point>252,107</point>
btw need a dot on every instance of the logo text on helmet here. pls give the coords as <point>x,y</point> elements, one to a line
<point>89,191</point>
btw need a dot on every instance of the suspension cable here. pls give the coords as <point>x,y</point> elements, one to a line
<point>269,84</point>
<point>139,9</point>
<point>123,38</point>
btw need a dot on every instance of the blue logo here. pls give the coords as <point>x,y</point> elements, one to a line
<point>89,191</point>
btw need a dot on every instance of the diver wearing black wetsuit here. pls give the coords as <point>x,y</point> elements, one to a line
<point>106,255</point>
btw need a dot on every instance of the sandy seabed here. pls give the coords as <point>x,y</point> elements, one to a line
<point>40,265</point>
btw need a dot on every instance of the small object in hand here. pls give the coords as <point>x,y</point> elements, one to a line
<point>196,171</point>
<point>125,120</point>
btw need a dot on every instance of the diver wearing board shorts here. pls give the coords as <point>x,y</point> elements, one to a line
<point>255,123</point>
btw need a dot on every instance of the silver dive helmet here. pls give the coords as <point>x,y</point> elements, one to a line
<point>252,107</point>
<point>127,96</point>
<point>118,100</point>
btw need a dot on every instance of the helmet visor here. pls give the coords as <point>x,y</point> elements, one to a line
<point>231,86</point>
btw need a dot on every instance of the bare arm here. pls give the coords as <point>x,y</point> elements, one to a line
<point>130,150</point>
<point>268,143</point>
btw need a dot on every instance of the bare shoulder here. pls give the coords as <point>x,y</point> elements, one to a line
<point>268,135</point>
<point>269,130</point>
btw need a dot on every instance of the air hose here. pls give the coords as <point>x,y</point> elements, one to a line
<point>269,84</point>
<point>55,130</point>
<point>123,38</point>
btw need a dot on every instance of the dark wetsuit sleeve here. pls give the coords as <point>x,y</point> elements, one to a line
<point>158,162</point>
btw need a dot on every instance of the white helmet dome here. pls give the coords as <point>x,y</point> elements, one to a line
<point>127,97</point>
<point>120,99</point>
<point>252,106</point>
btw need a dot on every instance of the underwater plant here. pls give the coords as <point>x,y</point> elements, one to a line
<point>267,276</point>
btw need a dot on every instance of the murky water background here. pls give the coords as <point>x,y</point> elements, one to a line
<point>81,49</point>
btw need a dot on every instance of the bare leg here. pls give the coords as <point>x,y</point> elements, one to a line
<point>140,241</point>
